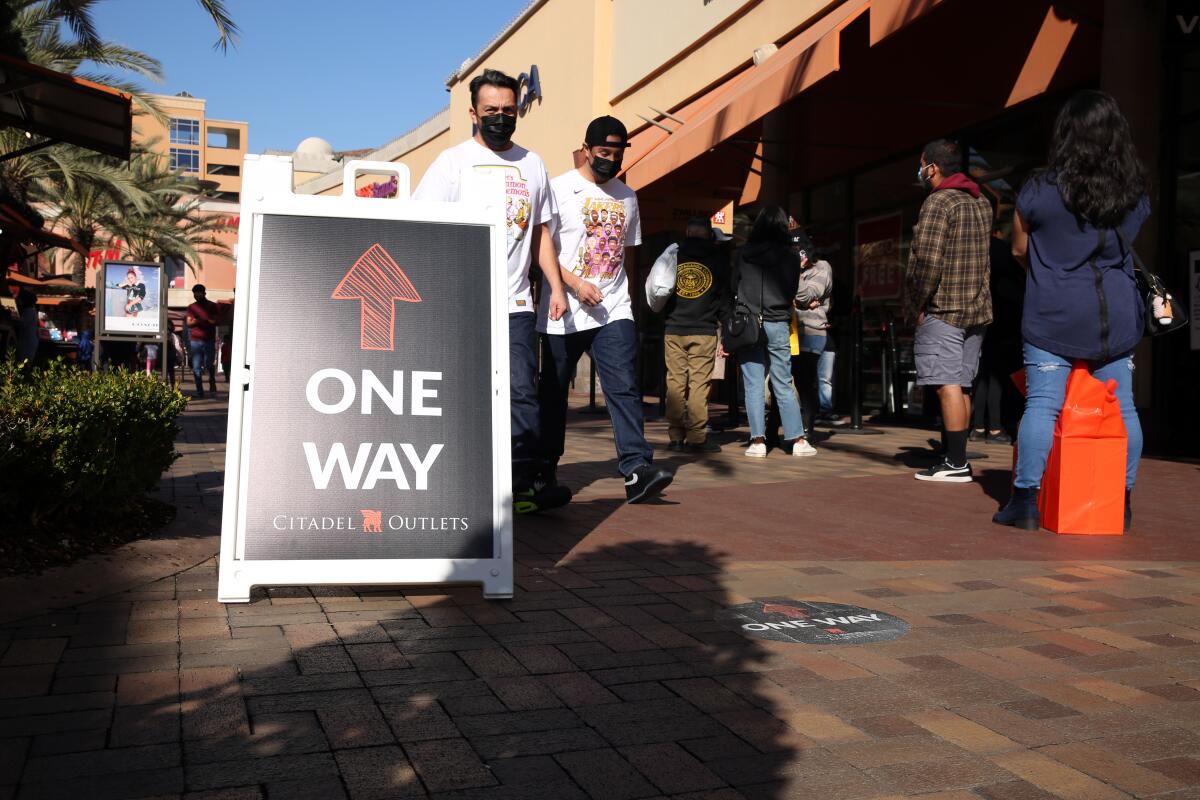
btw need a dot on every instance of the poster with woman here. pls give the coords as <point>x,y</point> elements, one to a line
<point>132,299</point>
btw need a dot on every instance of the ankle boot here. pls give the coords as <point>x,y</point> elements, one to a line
<point>1128,511</point>
<point>1021,510</point>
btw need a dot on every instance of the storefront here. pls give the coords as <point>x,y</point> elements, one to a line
<point>823,107</point>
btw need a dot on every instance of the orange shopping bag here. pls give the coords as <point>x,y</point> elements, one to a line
<point>1083,488</point>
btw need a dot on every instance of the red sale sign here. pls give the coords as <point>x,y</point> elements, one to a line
<point>877,259</point>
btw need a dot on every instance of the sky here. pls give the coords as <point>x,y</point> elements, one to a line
<point>358,73</point>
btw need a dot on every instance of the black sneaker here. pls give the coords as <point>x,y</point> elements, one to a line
<point>976,435</point>
<point>541,495</point>
<point>646,482</point>
<point>702,447</point>
<point>946,473</point>
<point>1001,437</point>
<point>675,447</point>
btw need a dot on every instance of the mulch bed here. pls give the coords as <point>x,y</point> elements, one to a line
<point>28,550</point>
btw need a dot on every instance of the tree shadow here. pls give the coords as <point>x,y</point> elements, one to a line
<point>604,676</point>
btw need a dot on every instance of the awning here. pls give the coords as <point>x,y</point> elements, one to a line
<point>802,62</point>
<point>889,16</point>
<point>57,300</point>
<point>64,108</point>
<point>23,231</point>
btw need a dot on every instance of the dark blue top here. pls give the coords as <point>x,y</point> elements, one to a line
<point>1077,306</point>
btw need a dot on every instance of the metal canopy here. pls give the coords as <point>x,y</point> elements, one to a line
<point>64,108</point>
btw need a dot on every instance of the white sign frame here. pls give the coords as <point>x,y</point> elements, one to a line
<point>267,190</point>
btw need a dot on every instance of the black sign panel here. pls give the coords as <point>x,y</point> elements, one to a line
<point>787,620</point>
<point>371,430</point>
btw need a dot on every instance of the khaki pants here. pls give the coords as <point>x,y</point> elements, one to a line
<point>689,372</point>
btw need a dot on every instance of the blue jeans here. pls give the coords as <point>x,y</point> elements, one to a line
<point>523,400</point>
<point>202,354</point>
<point>1046,389</point>
<point>613,348</point>
<point>825,379</point>
<point>771,353</point>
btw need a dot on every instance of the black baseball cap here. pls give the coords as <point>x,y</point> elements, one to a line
<point>799,240</point>
<point>599,129</point>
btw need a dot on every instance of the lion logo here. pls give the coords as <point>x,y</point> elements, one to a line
<point>372,521</point>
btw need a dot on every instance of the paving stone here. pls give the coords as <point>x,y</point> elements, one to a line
<point>355,726</point>
<point>518,722</point>
<point>261,770</point>
<point>448,764</point>
<point>1184,769</point>
<point>144,725</point>
<point>417,720</point>
<point>512,745</point>
<point>49,744</point>
<point>24,652</point>
<point>378,773</point>
<point>670,768</point>
<point>277,735</point>
<point>101,762</point>
<point>117,786</point>
<point>604,773</point>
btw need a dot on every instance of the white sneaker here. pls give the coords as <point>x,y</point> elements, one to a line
<point>757,450</point>
<point>803,448</point>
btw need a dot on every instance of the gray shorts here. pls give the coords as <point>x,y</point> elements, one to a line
<point>946,355</point>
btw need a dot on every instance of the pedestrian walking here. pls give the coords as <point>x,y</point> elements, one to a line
<point>692,314</point>
<point>201,319</point>
<point>1073,227</point>
<point>530,210</point>
<point>596,270</point>
<point>948,293</point>
<point>812,304</point>
<point>766,276</point>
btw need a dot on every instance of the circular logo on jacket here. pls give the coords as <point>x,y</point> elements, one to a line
<point>692,279</point>
<point>801,622</point>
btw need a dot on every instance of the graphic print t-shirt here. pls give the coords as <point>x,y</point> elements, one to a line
<point>595,225</point>
<point>529,201</point>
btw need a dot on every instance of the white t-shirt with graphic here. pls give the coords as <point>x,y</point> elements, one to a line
<point>530,201</point>
<point>595,225</point>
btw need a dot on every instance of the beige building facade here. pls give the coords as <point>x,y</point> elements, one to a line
<point>822,106</point>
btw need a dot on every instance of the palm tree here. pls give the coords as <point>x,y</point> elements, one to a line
<point>173,224</point>
<point>77,14</point>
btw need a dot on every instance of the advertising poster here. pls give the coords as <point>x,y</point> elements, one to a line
<point>877,259</point>
<point>133,295</point>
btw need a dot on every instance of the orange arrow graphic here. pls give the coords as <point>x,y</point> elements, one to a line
<point>377,281</point>
<point>787,611</point>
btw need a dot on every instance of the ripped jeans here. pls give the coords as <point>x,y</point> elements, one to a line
<point>1046,379</point>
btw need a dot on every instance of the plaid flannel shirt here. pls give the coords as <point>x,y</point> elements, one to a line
<point>948,263</point>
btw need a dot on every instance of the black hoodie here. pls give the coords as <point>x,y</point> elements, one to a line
<point>701,297</point>
<point>766,278</point>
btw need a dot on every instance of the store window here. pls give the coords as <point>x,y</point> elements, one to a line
<point>185,131</point>
<point>185,159</point>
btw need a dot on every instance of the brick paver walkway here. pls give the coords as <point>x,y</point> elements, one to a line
<point>1036,666</point>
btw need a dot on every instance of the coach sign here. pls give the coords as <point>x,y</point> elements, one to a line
<point>368,426</point>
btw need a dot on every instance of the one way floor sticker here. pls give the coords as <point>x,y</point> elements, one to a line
<point>801,622</point>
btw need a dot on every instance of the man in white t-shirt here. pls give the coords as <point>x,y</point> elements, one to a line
<point>530,209</point>
<point>598,227</point>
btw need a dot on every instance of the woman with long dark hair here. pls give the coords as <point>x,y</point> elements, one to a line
<point>1072,230</point>
<point>766,277</point>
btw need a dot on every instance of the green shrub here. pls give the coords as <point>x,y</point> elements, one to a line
<point>81,445</point>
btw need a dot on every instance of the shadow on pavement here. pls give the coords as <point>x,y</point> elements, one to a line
<point>603,677</point>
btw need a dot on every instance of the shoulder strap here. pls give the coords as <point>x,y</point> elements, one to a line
<point>1137,260</point>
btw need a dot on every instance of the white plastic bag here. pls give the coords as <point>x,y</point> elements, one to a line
<point>660,283</point>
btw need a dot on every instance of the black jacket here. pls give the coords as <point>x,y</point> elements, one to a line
<point>766,277</point>
<point>701,297</point>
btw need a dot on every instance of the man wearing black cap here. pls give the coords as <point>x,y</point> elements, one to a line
<point>530,209</point>
<point>700,301</point>
<point>598,228</point>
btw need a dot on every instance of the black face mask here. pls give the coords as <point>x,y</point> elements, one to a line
<point>497,129</point>
<point>605,169</point>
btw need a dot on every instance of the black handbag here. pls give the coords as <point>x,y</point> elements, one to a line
<point>1163,312</point>
<point>741,329</point>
